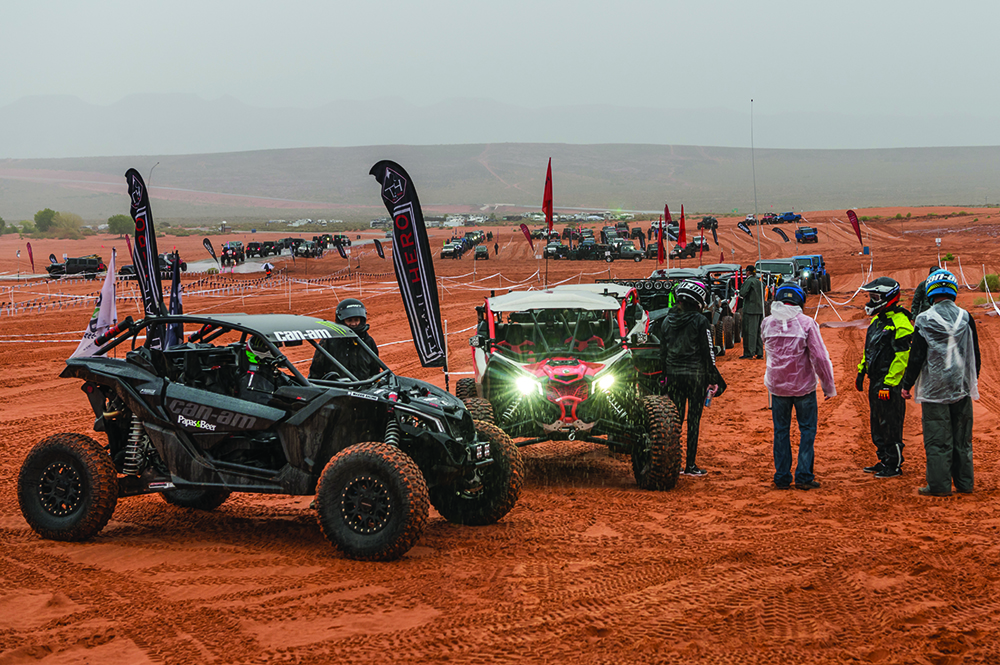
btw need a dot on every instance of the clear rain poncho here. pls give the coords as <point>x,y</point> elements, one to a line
<point>949,373</point>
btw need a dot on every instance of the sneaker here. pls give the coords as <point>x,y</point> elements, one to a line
<point>889,472</point>
<point>758,357</point>
<point>782,487</point>
<point>926,491</point>
<point>693,470</point>
<point>745,356</point>
<point>877,467</point>
<point>963,491</point>
<point>811,485</point>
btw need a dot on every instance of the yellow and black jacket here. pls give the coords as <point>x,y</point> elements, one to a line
<point>887,348</point>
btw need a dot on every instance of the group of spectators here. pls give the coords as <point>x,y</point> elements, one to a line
<point>930,353</point>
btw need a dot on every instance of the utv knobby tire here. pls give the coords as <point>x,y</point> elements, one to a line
<point>372,502</point>
<point>199,499</point>
<point>718,336</point>
<point>656,457</point>
<point>501,484</point>
<point>826,283</point>
<point>67,487</point>
<point>728,331</point>
<point>481,409</point>
<point>465,388</point>
<point>738,327</point>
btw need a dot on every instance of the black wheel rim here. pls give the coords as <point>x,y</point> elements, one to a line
<point>366,505</point>
<point>60,489</point>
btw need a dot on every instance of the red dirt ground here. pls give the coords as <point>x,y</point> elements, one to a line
<point>587,566</point>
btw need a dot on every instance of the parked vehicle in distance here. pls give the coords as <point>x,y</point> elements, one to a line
<point>708,223</point>
<point>769,218</point>
<point>751,220</point>
<point>88,266</point>
<point>309,250</point>
<point>692,249</point>
<point>254,249</point>
<point>452,250</point>
<point>626,250</point>
<point>790,217</point>
<point>481,253</point>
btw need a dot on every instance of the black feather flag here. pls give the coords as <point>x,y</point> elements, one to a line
<point>742,226</point>
<point>413,262</point>
<point>715,236</point>
<point>340,250</point>
<point>145,257</point>
<point>781,233</point>
<point>378,249</point>
<point>211,250</point>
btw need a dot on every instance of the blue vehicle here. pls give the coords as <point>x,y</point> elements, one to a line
<point>813,275</point>
<point>790,217</point>
<point>806,234</point>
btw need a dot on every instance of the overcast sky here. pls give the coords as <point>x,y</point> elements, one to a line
<point>908,58</point>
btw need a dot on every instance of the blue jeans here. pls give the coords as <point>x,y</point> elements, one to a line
<point>805,414</point>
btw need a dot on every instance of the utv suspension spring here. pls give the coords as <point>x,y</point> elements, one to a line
<point>392,432</point>
<point>509,413</point>
<point>614,404</point>
<point>135,449</point>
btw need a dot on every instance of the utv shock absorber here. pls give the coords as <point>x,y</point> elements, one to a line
<point>614,405</point>
<point>509,413</point>
<point>135,449</point>
<point>392,432</point>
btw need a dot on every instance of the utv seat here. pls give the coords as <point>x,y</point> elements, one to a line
<point>517,339</point>
<point>587,338</point>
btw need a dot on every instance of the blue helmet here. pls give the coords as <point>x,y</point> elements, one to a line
<point>791,294</point>
<point>942,283</point>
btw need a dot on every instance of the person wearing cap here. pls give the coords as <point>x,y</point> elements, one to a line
<point>796,355</point>
<point>348,351</point>
<point>943,374</point>
<point>688,361</point>
<point>751,303</point>
<point>884,359</point>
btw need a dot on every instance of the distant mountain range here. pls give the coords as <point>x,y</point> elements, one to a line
<point>178,124</point>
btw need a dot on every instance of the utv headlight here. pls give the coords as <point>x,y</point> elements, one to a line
<point>527,385</point>
<point>806,273</point>
<point>605,382</point>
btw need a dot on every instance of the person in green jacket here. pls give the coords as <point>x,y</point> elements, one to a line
<point>920,301</point>
<point>886,353</point>
<point>751,303</point>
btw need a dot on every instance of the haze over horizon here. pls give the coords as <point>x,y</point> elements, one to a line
<point>118,78</point>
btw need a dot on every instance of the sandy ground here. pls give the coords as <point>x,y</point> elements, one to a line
<point>721,569</point>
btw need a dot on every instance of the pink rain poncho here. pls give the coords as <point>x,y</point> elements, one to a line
<point>795,354</point>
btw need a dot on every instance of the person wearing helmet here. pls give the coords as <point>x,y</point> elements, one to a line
<point>350,312</point>
<point>944,373</point>
<point>796,355</point>
<point>688,362</point>
<point>751,303</point>
<point>884,359</point>
<point>920,301</point>
<point>262,375</point>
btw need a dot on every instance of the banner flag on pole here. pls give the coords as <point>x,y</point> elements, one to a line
<point>175,331</point>
<point>145,257</point>
<point>413,262</point>
<point>211,250</point>
<point>681,233</point>
<point>742,226</point>
<point>547,199</point>
<point>853,216</point>
<point>701,250</point>
<point>527,234</point>
<point>52,259</point>
<point>340,250</point>
<point>378,249</point>
<point>781,233</point>
<point>722,257</point>
<point>104,317</point>
<point>31,257</point>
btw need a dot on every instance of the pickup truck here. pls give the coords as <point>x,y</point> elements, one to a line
<point>790,217</point>
<point>691,249</point>
<point>625,249</point>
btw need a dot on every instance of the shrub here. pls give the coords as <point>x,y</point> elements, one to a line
<point>899,215</point>
<point>980,301</point>
<point>948,257</point>
<point>212,271</point>
<point>908,215</point>
<point>992,281</point>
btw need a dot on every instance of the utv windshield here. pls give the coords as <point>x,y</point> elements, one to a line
<point>527,336</point>
<point>776,267</point>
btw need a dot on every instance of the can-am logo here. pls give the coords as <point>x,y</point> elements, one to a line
<point>296,335</point>
<point>200,424</point>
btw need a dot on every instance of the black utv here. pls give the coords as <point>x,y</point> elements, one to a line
<point>228,411</point>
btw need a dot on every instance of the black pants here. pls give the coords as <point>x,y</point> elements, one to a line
<point>887,426</point>
<point>688,394</point>
<point>948,442</point>
<point>752,345</point>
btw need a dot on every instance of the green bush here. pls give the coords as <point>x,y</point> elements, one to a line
<point>992,280</point>
<point>899,215</point>
<point>908,215</point>
<point>948,257</point>
<point>980,301</point>
<point>212,271</point>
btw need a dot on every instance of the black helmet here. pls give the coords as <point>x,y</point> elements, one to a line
<point>751,269</point>
<point>883,292</point>
<point>351,308</point>
<point>693,291</point>
<point>791,294</point>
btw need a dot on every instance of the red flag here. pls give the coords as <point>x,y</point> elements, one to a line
<point>722,257</point>
<point>547,198</point>
<point>701,250</point>
<point>853,216</point>
<point>660,254</point>
<point>681,235</point>
<point>31,257</point>
<point>527,234</point>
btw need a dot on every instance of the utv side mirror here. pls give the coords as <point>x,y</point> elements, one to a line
<point>477,341</point>
<point>639,339</point>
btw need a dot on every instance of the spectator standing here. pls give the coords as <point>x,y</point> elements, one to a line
<point>887,350</point>
<point>796,354</point>
<point>496,249</point>
<point>688,362</point>
<point>920,301</point>
<point>944,369</point>
<point>752,305</point>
